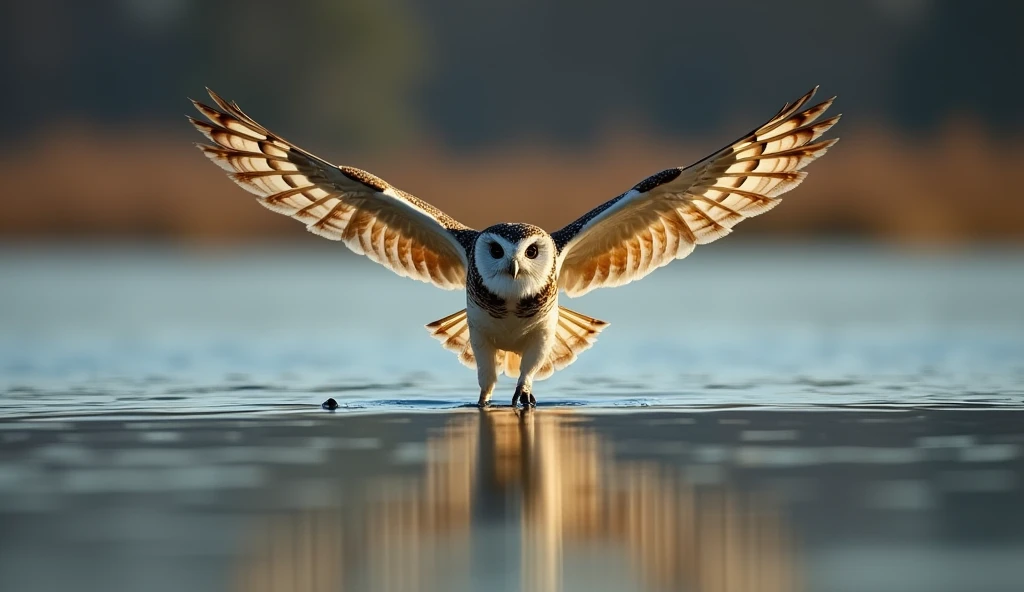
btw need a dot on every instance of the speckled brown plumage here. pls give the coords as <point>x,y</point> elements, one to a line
<point>476,290</point>
<point>372,181</point>
<point>515,232</point>
<point>657,179</point>
<point>541,302</point>
<point>484,298</point>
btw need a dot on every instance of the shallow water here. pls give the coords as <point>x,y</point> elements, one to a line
<point>817,418</point>
<point>96,331</point>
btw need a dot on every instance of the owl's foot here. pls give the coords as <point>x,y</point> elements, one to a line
<point>523,394</point>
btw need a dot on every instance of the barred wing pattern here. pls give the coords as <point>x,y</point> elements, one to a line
<point>393,228</point>
<point>664,216</point>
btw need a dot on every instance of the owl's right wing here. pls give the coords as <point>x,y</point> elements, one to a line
<point>664,216</point>
<point>405,234</point>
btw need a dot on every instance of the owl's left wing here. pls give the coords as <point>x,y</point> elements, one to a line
<point>405,234</point>
<point>664,216</point>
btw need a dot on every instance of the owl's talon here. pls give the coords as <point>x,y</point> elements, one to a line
<point>524,396</point>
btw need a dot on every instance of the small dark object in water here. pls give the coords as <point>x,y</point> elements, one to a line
<point>330,404</point>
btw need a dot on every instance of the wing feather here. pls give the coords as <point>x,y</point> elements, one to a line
<point>391,227</point>
<point>664,216</point>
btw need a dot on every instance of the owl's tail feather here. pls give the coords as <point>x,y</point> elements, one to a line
<point>453,333</point>
<point>575,332</point>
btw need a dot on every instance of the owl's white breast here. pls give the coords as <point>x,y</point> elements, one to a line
<point>511,333</point>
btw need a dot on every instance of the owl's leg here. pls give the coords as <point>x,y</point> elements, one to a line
<point>533,358</point>
<point>486,369</point>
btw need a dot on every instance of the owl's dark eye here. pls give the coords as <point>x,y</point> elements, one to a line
<point>496,251</point>
<point>531,251</point>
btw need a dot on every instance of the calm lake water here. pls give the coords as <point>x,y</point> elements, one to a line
<point>756,417</point>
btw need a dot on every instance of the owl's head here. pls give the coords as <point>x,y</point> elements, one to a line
<point>514,260</point>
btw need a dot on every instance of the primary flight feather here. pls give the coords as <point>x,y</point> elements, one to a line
<point>512,273</point>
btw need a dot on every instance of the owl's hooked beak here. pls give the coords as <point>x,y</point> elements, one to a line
<point>513,269</point>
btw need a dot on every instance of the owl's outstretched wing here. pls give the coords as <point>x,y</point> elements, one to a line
<point>393,228</point>
<point>664,216</point>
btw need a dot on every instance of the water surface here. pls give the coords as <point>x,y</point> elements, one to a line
<point>756,418</point>
<point>747,500</point>
<point>122,329</point>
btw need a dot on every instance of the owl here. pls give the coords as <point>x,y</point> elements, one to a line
<point>512,273</point>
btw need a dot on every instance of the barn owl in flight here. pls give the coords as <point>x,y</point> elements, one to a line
<point>513,273</point>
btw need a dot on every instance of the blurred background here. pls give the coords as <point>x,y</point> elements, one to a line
<point>531,111</point>
<point>829,400</point>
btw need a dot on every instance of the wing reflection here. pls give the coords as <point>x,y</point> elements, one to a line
<point>521,501</point>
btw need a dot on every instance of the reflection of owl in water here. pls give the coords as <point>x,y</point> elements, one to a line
<point>573,499</point>
<point>512,273</point>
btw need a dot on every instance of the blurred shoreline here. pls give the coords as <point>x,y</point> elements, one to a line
<point>87,182</point>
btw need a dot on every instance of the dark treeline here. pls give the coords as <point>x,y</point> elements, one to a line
<point>366,73</point>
